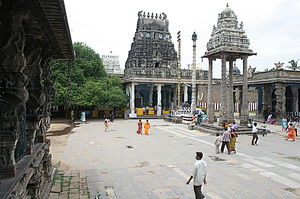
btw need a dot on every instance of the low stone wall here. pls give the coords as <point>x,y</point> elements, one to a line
<point>33,176</point>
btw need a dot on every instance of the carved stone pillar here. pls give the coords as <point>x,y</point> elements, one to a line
<point>280,109</point>
<point>151,95</point>
<point>223,110</point>
<point>132,98</point>
<point>13,92</point>
<point>295,99</point>
<point>33,70</point>
<point>230,94</point>
<point>239,99</point>
<point>47,93</point>
<point>210,107</point>
<point>266,101</point>
<point>244,109</point>
<point>185,89</point>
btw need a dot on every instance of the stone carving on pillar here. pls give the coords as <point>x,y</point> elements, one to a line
<point>48,95</point>
<point>13,92</point>
<point>35,88</point>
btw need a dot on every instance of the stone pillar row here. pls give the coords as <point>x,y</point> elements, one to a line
<point>227,101</point>
<point>159,98</point>
<point>25,93</point>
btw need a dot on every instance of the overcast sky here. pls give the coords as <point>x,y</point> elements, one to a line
<point>273,26</point>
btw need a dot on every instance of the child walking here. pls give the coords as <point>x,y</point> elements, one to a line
<point>218,142</point>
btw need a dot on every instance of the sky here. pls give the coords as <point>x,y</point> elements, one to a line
<point>273,27</point>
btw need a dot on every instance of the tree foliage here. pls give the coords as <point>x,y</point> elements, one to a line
<point>294,65</point>
<point>84,81</point>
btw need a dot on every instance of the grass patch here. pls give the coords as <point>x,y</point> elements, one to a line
<point>290,189</point>
<point>293,158</point>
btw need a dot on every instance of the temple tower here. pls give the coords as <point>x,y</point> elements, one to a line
<point>152,46</point>
<point>151,63</point>
<point>228,42</point>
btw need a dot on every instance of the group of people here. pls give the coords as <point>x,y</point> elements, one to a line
<point>140,127</point>
<point>228,139</point>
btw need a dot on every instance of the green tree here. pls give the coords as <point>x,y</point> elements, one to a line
<point>84,81</point>
<point>294,65</point>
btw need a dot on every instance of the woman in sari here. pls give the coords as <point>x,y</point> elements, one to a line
<point>83,117</point>
<point>140,127</point>
<point>232,141</point>
<point>284,124</point>
<point>291,132</point>
<point>146,127</point>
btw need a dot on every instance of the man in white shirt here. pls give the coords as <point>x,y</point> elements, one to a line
<point>199,175</point>
<point>254,134</point>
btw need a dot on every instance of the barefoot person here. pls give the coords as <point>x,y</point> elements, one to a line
<point>146,127</point>
<point>199,175</point>
<point>291,132</point>
<point>140,127</point>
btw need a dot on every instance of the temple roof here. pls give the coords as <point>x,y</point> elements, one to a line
<point>52,15</point>
<point>152,22</point>
<point>228,36</point>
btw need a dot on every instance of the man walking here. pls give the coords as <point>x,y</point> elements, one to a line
<point>225,140</point>
<point>254,134</point>
<point>199,175</point>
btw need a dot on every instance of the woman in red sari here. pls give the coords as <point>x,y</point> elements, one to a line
<point>140,127</point>
<point>291,132</point>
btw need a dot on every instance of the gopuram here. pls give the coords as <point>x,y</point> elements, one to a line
<point>228,42</point>
<point>32,33</point>
<point>151,70</point>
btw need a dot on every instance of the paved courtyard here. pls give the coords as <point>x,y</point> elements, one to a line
<point>125,165</point>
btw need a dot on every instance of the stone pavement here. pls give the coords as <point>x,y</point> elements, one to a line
<point>121,164</point>
<point>69,184</point>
